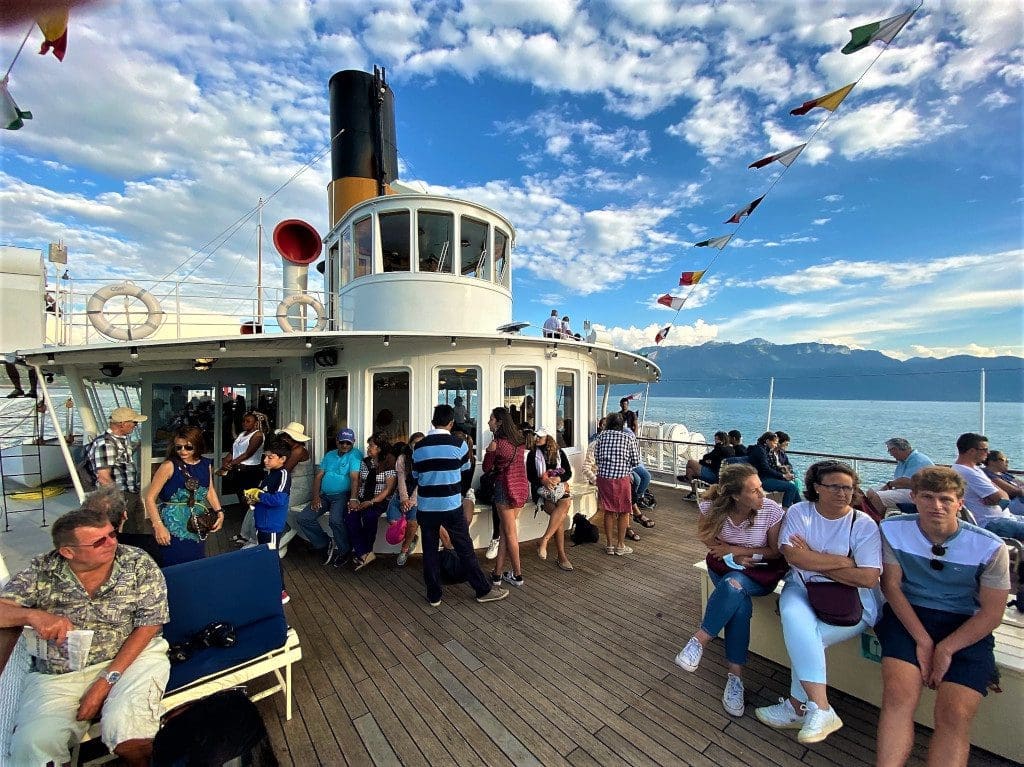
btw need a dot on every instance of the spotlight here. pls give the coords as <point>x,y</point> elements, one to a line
<point>590,350</point>
<point>508,343</point>
<point>387,340</point>
<point>453,342</point>
<point>636,362</point>
<point>616,355</point>
<point>111,369</point>
<point>309,342</point>
<point>223,346</point>
<point>326,358</point>
<point>133,352</point>
<point>50,359</point>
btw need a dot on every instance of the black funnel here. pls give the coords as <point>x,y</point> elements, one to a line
<point>364,106</point>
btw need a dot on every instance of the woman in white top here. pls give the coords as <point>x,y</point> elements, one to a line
<point>824,539</point>
<point>246,461</point>
<point>740,526</point>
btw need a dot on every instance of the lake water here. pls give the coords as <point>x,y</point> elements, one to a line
<point>850,427</point>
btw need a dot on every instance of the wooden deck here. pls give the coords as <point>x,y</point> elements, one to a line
<point>573,669</point>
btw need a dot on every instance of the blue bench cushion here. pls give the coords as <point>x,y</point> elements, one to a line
<point>254,640</point>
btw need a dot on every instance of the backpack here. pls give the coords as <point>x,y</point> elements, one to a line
<point>584,531</point>
<point>451,567</point>
<point>86,466</point>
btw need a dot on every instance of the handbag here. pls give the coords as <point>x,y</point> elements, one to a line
<point>836,604</point>
<point>200,524</point>
<point>487,482</point>
<point>767,575</point>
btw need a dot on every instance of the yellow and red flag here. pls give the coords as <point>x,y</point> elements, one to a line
<point>54,26</point>
<point>690,278</point>
<point>829,101</point>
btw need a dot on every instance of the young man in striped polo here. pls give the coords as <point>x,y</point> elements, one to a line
<point>437,465</point>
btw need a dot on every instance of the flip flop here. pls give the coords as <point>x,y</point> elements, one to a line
<point>567,567</point>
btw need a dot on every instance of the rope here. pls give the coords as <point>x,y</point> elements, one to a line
<point>20,48</point>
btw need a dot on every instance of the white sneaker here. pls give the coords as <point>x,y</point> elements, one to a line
<point>515,580</point>
<point>781,716</point>
<point>492,549</point>
<point>622,551</point>
<point>732,698</point>
<point>818,724</point>
<point>689,657</point>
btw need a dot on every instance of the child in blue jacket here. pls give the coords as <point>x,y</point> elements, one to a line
<point>270,502</point>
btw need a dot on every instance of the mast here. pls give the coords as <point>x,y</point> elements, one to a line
<point>259,264</point>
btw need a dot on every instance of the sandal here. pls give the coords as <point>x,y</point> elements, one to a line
<point>643,519</point>
<point>631,534</point>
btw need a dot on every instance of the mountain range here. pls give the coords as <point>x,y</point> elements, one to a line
<point>830,371</point>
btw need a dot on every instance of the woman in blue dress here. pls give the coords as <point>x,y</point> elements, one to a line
<point>181,488</point>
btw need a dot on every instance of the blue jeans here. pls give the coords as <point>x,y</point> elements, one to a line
<point>730,608</point>
<point>790,494</point>
<point>309,522</point>
<point>454,522</point>
<point>641,479</point>
<point>1006,527</point>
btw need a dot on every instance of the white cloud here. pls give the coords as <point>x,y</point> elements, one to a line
<point>633,338</point>
<point>821,221</point>
<point>717,126</point>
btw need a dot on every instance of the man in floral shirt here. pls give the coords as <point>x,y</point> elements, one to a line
<point>89,582</point>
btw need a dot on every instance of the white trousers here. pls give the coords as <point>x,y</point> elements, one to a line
<point>45,728</point>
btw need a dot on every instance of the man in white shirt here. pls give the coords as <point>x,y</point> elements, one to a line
<point>553,326</point>
<point>984,500</point>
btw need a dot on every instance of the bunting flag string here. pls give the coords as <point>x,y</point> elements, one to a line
<point>861,37</point>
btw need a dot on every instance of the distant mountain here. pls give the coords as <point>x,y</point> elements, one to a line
<point>828,371</point>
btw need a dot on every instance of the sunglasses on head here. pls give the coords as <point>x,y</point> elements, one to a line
<point>184,447</point>
<point>98,543</point>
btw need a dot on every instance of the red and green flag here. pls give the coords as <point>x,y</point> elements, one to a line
<point>735,217</point>
<point>714,242</point>
<point>787,158</point>
<point>12,117</point>
<point>690,278</point>
<point>884,30</point>
<point>829,101</point>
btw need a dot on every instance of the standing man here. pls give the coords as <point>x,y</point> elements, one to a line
<point>897,491</point>
<point>553,326</point>
<point>945,582</point>
<point>986,501</point>
<point>332,488</point>
<point>12,372</point>
<point>112,464</point>
<point>89,582</point>
<point>628,416</point>
<point>437,465</point>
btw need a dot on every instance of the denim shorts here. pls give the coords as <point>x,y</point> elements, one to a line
<point>395,510</point>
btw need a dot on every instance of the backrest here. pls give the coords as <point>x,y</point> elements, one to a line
<point>240,587</point>
<point>736,459</point>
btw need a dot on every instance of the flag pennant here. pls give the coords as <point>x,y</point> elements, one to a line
<point>714,242</point>
<point>884,30</point>
<point>735,218</point>
<point>634,395</point>
<point>829,101</point>
<point>13,118</point>
<point>690,278</point>
<point>787,158</point>
<point>652,355</point>
<point>662,334</point>
<point>54,26</point>
<point>672,302</point>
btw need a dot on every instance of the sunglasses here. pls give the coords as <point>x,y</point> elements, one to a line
<point>98,543</point>
<point>939,551</point>
<point>184,447</point>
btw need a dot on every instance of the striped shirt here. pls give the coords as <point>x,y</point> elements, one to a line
<point>974,557</point>
<point>109,451</point>
<point>617,453</point>
<point>437,465</point>
<point>750,535</point>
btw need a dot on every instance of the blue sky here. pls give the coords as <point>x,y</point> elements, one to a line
<point>613,134</point>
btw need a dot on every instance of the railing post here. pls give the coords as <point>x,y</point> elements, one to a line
<point>981,403</point>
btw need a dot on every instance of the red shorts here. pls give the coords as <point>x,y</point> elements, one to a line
<point>615,496</point>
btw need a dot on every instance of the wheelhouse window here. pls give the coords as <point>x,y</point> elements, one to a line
<point>434,236</point>
<point>394,241</point>
<point>473,249</point>
<point>501,262</point>
<point>565,409</point>
<point>519,395</point>
<point>346,257</point>
<point>460,388</point>
<point>363,233</point>
<point>390,405</point>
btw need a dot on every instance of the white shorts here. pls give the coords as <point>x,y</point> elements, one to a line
<point>892,497</point>
<point>45,727</point>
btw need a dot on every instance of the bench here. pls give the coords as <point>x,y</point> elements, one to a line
<point>854,667</point>
<point>241,587</point>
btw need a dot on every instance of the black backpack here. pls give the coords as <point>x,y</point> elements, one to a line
<point>583,530</point>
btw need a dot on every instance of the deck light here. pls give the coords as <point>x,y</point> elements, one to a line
<point>453,342</point>
<point>636,362</point>
<point>202,364</point>
<point>50,359</point>
<point>387,340</point>
<point>590,350</point>
<point>309,342</point>
<point>223,347</point>
<point>616,355</point>
<point>111,369</point>
<point>508,343</point>
<point>133,352</point>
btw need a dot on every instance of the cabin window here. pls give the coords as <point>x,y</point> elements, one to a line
<point>394,241</point>
<point>390,405</point>
<point>473,249</point>
<point>519,395</point>
<point>565,408</point>
<point>460,388</point>
<point>501,270</point>
<point>434,238</point>
<point>346,257</point>
<point>363,233</point>
<point>335,409</point>
<point>592,399</point>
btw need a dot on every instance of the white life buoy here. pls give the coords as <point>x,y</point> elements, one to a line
<point>301,299</point>
<point>97,316</point>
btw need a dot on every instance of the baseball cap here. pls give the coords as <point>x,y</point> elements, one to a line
<point>542,432</point>
<point>123,414</point>
<point>346,435</point>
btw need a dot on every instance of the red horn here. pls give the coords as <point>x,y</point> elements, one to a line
<point>297,242</point>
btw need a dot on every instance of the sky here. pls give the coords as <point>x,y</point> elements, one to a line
<point>614,135</point>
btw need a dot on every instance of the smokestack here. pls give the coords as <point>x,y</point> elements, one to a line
<point>364,158</point>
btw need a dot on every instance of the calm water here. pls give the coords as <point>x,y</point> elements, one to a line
<point>852,427</point>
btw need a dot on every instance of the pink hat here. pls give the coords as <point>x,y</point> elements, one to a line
<point>395,533</point>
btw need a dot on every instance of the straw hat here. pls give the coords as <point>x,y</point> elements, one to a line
<point>296,431</point>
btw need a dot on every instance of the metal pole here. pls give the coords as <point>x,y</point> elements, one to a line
<point>771,396</point>
<point>981,402</point>
<point>61,442</point>
<point>259,264</point>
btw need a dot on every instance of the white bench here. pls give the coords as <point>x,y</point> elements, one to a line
<point>854,667</point>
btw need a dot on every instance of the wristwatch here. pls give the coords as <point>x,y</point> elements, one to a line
<point>111,677</point>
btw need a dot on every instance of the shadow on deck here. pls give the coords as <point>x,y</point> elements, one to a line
<point>574,668</point>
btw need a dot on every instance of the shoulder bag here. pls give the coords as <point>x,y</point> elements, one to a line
<point>836,604</point>
<point>767,575</point>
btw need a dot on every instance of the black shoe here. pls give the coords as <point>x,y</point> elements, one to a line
<point>32,394</point>
<point>15,394</point>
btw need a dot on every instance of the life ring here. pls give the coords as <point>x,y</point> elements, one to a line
<point>95,310</point>
<point>301,299</point>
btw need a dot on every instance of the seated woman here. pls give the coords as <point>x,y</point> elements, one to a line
<point>403,502</point>
<point>182,487</point>
<point>772,480</point>
<point>824,540</point>
<point>549,472</point>
<point>780,459</point>
<point>376,484</point>
<point>740,523</point>
<point>997,469</point>
<point>706,468</point>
